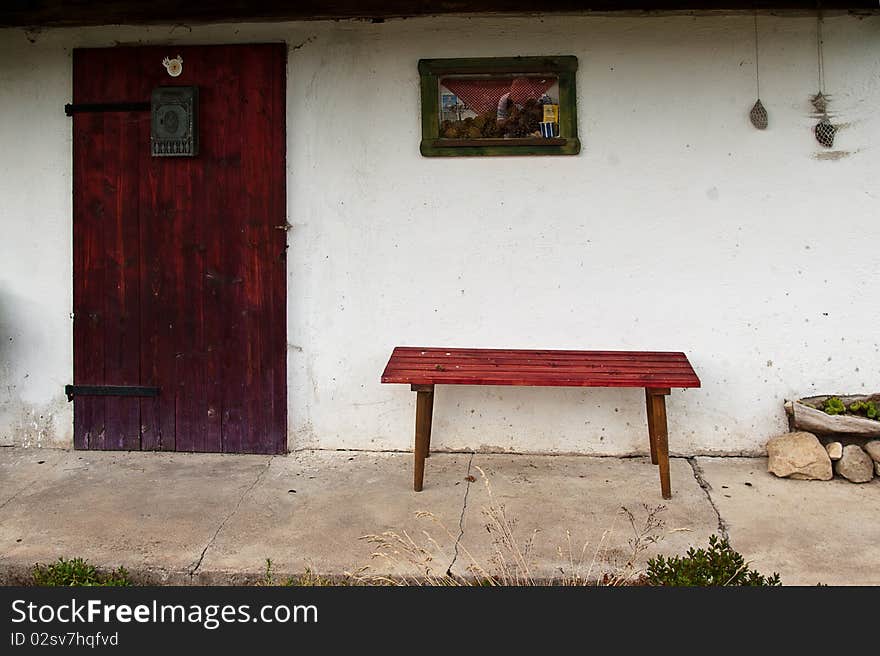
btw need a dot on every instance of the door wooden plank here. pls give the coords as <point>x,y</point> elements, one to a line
<point>220,173</point>
<point>188,272</point>
<point>200,228</point>
<point>121,293</point>
<point>88,309</point>
<point>157,432</point>
<point>271,62</point>
<point>89,264</point>
<point>255,153</point>
<point>229,302</point>
<point>155,435</point>
<point>158,297</point>
<point>80,142</point>
<point>161,301</point>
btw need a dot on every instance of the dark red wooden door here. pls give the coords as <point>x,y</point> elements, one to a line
<point>179,263</point>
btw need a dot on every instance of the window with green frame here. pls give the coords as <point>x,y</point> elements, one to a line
<point>486,106</point>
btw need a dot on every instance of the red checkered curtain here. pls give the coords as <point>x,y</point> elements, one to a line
<point>483,94</point>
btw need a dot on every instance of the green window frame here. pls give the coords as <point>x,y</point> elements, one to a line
<point>562,67</point>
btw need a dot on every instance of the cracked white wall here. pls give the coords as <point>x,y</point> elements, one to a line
<point>678,227</point>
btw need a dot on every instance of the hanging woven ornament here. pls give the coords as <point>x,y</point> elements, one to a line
<point>824,130</point>
<point>758,115</point>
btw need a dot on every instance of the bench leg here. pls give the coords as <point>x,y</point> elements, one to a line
<point>424,408</point>
<point>651,438</point>
<point>656,398</point>
<point>430,422</point>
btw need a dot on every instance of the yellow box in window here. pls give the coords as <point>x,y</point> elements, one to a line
<point>551,113</point>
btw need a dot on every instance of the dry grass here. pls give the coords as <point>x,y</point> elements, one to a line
<point>425,560</point>
<point>309,579</point>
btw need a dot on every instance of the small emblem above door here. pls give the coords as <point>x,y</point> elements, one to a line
<point>173,66</point>
<point>174,125</point>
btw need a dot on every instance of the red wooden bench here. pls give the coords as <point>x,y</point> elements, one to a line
<point>657,372</point>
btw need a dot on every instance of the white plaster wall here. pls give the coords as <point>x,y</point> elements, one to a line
<point>36,348</point>
<point>678,227</point>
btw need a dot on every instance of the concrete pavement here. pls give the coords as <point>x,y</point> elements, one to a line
<point>215,519</point>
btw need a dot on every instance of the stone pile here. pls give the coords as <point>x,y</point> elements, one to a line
<point>802,456</point>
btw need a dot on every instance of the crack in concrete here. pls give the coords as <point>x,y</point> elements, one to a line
<point>26,486</point>
<point>467,490</point>
<point>13,497</point>
<point>707,488</point>
<point>195,566</point>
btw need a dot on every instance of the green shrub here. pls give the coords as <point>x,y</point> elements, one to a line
<point>77,572</point>
<point>717,565</point>
<point>833,406</point>
<point>865,408</point>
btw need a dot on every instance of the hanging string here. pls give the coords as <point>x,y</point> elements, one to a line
<point>758,115</point>
<point>757,70</point>
<point>819,56</point>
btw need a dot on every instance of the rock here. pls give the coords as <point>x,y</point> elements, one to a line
<point>855,466</point>
<point>877,468</point>
<point>873,449</point>
<point>835,450</point>
<point>798,455</point>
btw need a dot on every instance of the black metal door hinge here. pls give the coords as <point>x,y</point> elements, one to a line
<point>109,390</point>
<point>81,108</point>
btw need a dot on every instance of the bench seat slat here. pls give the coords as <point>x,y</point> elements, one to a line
<point>419,378</point>
<point>430,363</point>
<point>526,353</point>
<point>544,382</point>
<point>535,370</point>
<point>544,359</point>
<point>429,366</point>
